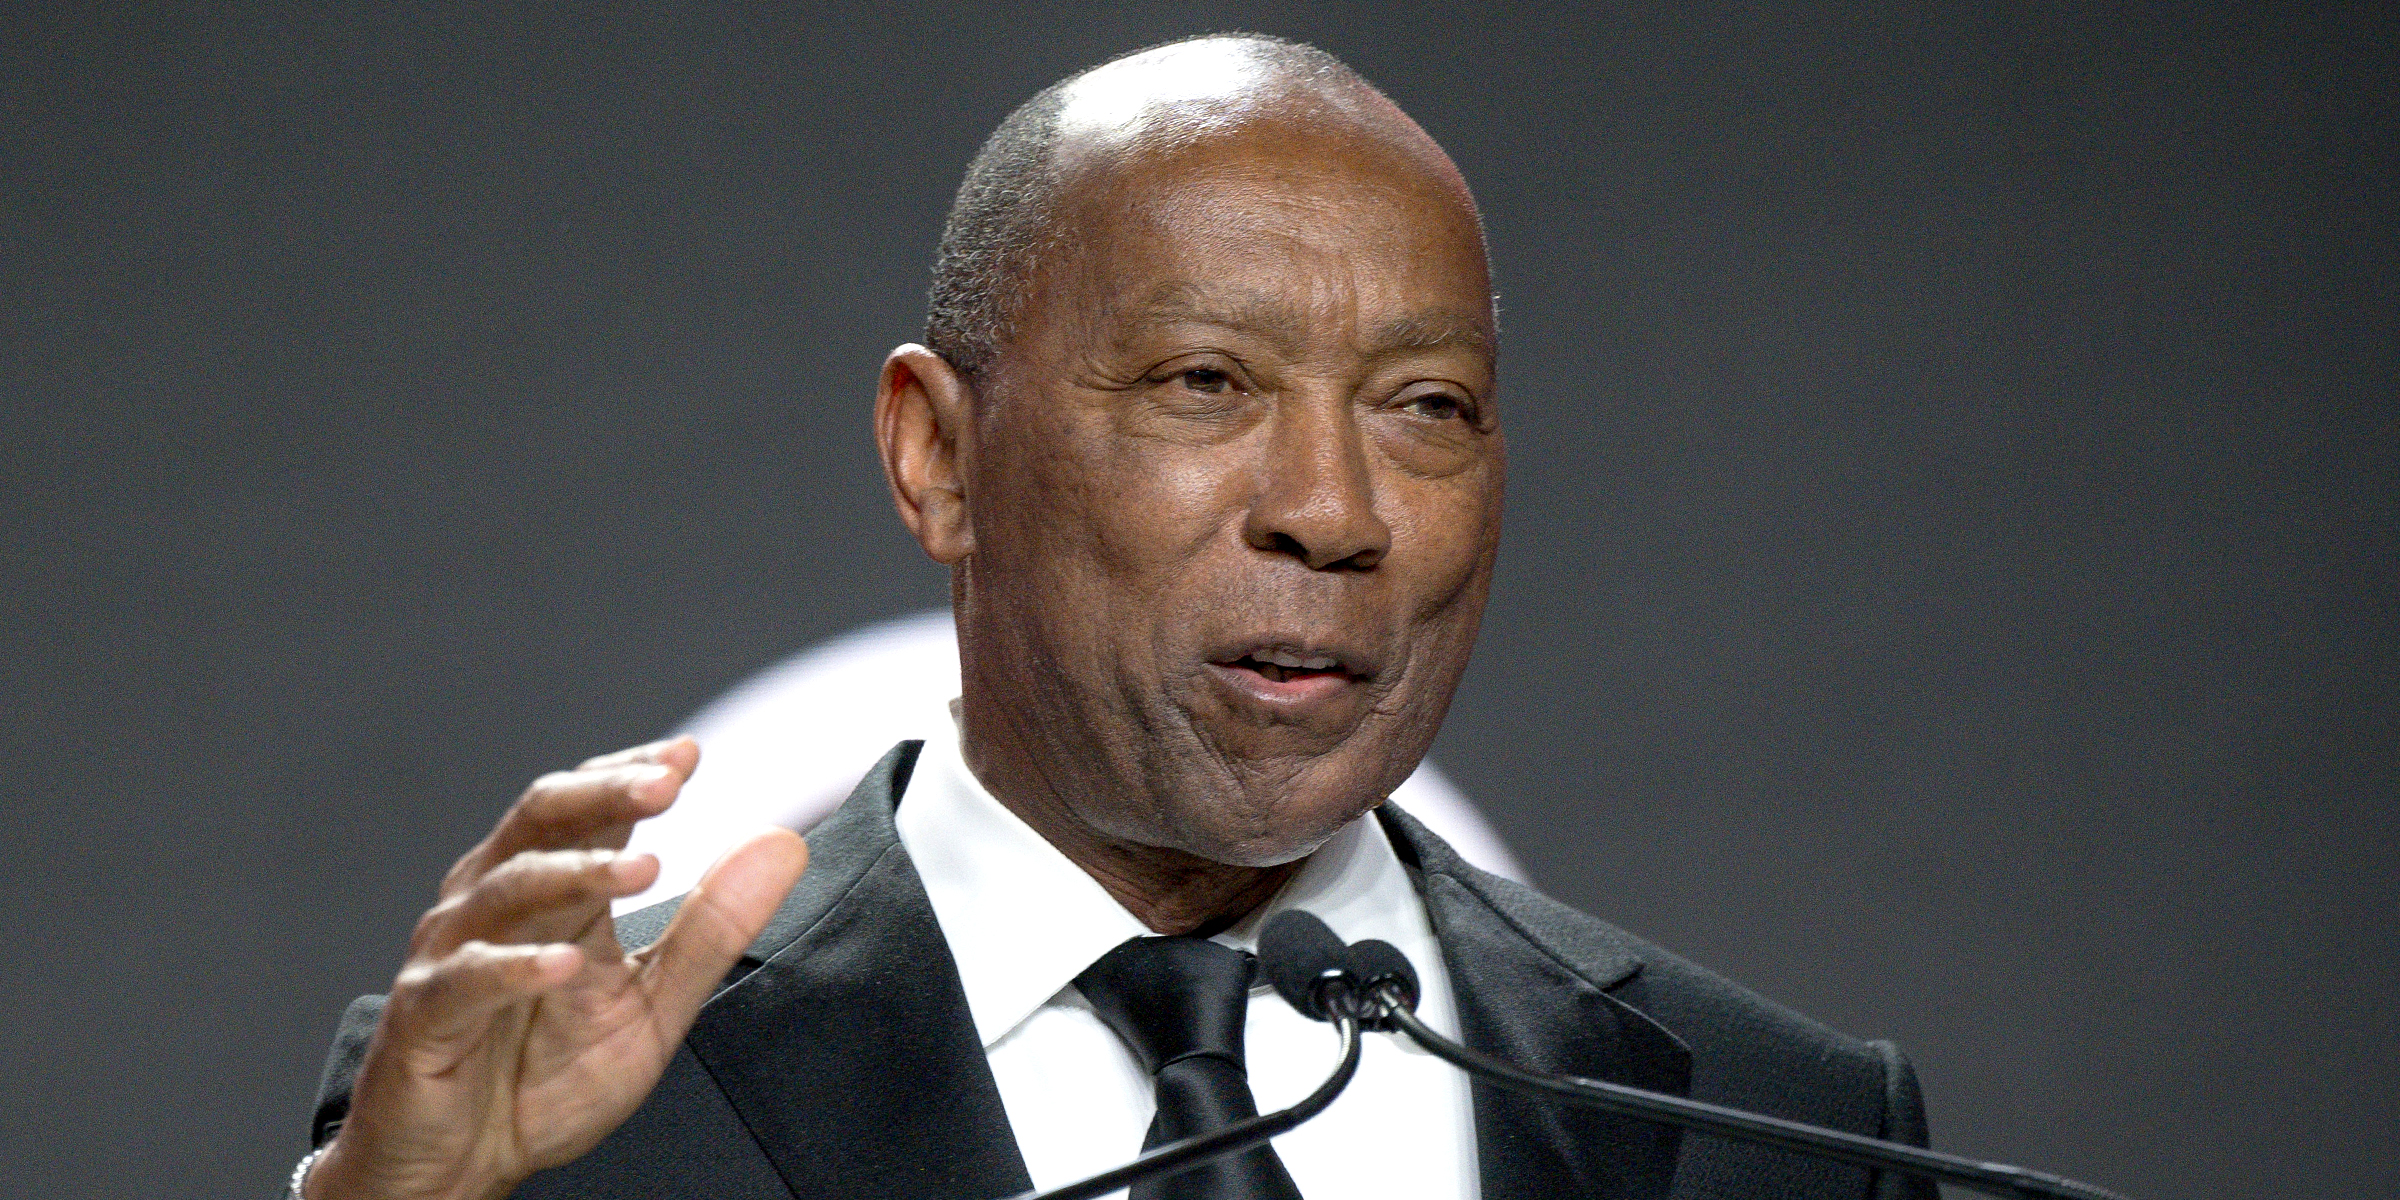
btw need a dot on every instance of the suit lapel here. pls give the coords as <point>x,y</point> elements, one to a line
<point>844,1042</point>
<point>847,1047</point>
<point>1532,981</point>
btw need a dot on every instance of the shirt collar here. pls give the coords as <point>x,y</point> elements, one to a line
<point>1023,920</point>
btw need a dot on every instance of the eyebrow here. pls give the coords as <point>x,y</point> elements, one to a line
<point>1275,319</point>
<point>1432,330</point>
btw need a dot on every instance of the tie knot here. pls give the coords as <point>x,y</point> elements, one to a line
<point>1171,998</point>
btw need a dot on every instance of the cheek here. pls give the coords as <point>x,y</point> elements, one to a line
<point>1154,506</point>
<point>1448,532</point>
<point>1106,513</point>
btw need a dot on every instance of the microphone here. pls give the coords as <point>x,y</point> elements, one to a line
<point>1390,980</point>
<point>1310,968</point>
<point>1391,992</point>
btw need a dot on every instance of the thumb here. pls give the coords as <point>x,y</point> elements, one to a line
<point>720,916</point>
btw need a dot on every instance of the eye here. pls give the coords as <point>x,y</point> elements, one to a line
<point>1205,379</point>
<point>1440,406</point>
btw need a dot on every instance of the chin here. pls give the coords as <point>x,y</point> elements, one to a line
<point>1269,825</point>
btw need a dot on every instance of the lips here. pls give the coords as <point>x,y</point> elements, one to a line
<point>1282,666</point>
<point>1292,674</point>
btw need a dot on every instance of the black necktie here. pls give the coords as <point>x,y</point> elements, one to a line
<point>1179,1003</point>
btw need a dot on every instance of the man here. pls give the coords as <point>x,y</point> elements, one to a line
<point>1207,431</point>
<point>787,745</point>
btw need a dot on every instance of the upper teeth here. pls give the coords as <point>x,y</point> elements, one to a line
<point>1304,662</point>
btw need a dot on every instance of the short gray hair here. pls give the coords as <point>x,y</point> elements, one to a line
<point>1002,223</point>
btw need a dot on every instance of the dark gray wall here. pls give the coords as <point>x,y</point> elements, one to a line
<point>1950,583</point>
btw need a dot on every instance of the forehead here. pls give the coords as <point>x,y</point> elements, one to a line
<point>1275,226</point>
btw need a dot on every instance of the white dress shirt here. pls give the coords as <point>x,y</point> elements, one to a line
<point>1022,921</point>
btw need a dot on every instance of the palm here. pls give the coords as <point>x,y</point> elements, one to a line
<point>586,1059</point>
<point>521,1032</point>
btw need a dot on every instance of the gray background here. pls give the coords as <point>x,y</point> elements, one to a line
<point>1950,583</point>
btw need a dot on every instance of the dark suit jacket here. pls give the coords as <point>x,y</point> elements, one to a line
<point>839,1059</point>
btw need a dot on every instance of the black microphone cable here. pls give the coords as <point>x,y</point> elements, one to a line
<point>1389,984</point>
<point>1312,972</point>
<point>1997,1179</point>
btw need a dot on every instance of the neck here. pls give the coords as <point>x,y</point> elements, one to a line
<point>1169,891</point>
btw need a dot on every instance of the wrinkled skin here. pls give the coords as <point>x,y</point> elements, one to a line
<point>519,1032</point>
<point>1222,518</point>
<point>1252,410</point>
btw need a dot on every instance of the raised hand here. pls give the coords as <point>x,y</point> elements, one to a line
<point>520,1033</point>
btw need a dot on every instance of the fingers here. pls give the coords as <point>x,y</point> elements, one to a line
<point>721,915</point>
<point>594,805</point>
<point>579,807</point>
<point>452,998</point>
<point>537,896</point>
<point>681,752</point>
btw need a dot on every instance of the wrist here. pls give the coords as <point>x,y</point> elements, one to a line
<point>322,1175</point>
<point>307,1178</point>
<point>297,1187</point>
<point>334,1171</point>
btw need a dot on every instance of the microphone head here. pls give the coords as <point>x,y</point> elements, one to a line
<point>1379,963</point>
<point>1298,955</point>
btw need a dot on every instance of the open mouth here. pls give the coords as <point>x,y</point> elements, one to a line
<point>1279,666</point>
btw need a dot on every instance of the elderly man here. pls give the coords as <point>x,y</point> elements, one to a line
<point>1207,430</point>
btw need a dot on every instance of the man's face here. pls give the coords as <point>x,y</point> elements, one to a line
<point>1235,487</point>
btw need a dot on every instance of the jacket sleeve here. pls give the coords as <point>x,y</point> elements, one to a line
<point>341,1067</point>
<point>1903,1121</point>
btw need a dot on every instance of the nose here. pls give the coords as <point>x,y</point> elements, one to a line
<point>1316,495</point>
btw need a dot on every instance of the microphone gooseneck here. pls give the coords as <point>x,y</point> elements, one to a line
<point>1998,1179</point>
<point>1233,1139</point>
<point>1316,970</point>
<point>1392,991</point>
<point>1372,985</point>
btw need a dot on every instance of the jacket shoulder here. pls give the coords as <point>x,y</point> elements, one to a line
<point>840,853</point>
<point>1747,1050</point>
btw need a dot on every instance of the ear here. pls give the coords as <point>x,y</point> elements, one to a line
<point>922,407</point>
